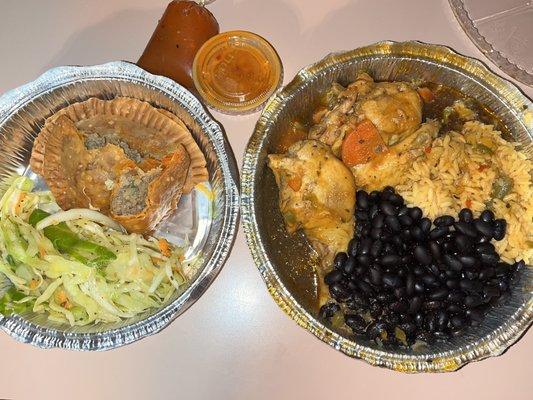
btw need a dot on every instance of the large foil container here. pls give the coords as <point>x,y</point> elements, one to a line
<point>208,216</point>
<point>286,262</point>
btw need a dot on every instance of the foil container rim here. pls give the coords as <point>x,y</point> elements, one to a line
<point>452,360</point>
<point>15,99</point>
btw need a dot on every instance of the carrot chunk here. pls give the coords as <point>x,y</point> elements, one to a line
<point>362,144</point>
<point>426,94</point>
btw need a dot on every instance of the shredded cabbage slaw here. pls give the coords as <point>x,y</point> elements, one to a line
<point>141,273</point>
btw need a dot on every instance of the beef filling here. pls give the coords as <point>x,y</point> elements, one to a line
<point>132,193</point>
<point>95,141</point>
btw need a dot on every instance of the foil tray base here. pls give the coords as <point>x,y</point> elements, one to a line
<point>286,262</point>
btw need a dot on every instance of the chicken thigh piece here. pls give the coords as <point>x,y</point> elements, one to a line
<point>395,109</point>
<point>390,168</point>
<point>316,194</point>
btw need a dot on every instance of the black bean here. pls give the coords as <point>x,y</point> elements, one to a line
<point>397,241</point>
<point>453,262</point>
<point>387,208</point>
<point>491,291</point>
<point>466,215</point>
<point>364,259</point>
<point>457,321</point>
<point>500,226</point>
<point>396,199</point>
<point>438,294</point>
<point>417,233</point>
<point>475,314</point>
<point>375,329</point>
<point>434,269</point>
<point>469,274</point>
<point>378,221</point>
<point>409,328</point>
<point>365,287</point>
<point>388,190</point>
<point>374,210</point>
<point>501,269</point>
<point>390,260</point>
<point>392,280</point>
<point>362,200</point>
<point>392,222</point>
<point>489,258</point>
<point>415,213</point>
<point>519,266</point>
<point>374,196</point>
<point>485,248</point>
<point>419,319</point>
<point>483,239</point>
<point>441,336</point>
<point>467,261</point>
<point>352,247</point>
<point>432,305</point>
<point>404,210</point>
<point>454,308</point>
<point>419,287</point>
<point>452,283</point>
<point>333,277</point>
<point>376,248</point>
<point>360,270</point>
<point>419,270</point>
<point>375,233</point>
<point>364,247</point>
<point>473,300</point>
<point>349,265</point>
<point>355,322</point>
<point>444,220</point>
<point>422,255</point>
<point>487,273</point>
<point>327,310</point>
<point>384,297</point>
<point>399,306</point>
<point>434,249</point>
<point>463,243</point>
<point>503,286</point>
<point>448,247</point>
<point>388,248</point>
<point>405,220</point>
<point>352,285</point>
<point>429,280</point>
<point>339,260</point>
<point>339,292</point>
<point>431,322</point>
<point>400,292</point>
<point>438,232</point>
<point>466,229</point>
<point>425,225</point>
<point>442,319</point>
<point>414,304</point>
<point>455,297</point>
<point>410,284</point>
<point>484,228</point>
<point>452,274</point>
<point>487,216</point>
<point>359,299</point>
<point>470,286</point>
<point>375,275</point>
<point>361,216</point>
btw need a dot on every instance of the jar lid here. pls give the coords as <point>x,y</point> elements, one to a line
<point>236,72</point>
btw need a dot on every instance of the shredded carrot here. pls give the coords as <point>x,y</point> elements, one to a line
<point>426,94</point>
<point>362,144</point>
<point>20,200</point>
<point>468,203</point>
<point>295,183</point>
<point>428,149</point>
<point>42,251</point>
<point>164,246</point>
<point>34,283</point>
<point>124,165</point>
<point>482,167</point>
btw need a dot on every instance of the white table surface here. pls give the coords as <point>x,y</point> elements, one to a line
<point>234,343</point>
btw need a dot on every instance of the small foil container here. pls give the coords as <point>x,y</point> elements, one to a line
<point>286,262</point>
<point>208,216</point>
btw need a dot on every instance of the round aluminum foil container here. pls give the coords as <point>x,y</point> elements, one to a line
<point>209,216</point>
<point>286,262</point>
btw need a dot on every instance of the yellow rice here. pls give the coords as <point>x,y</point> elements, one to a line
<point>453,173</point>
